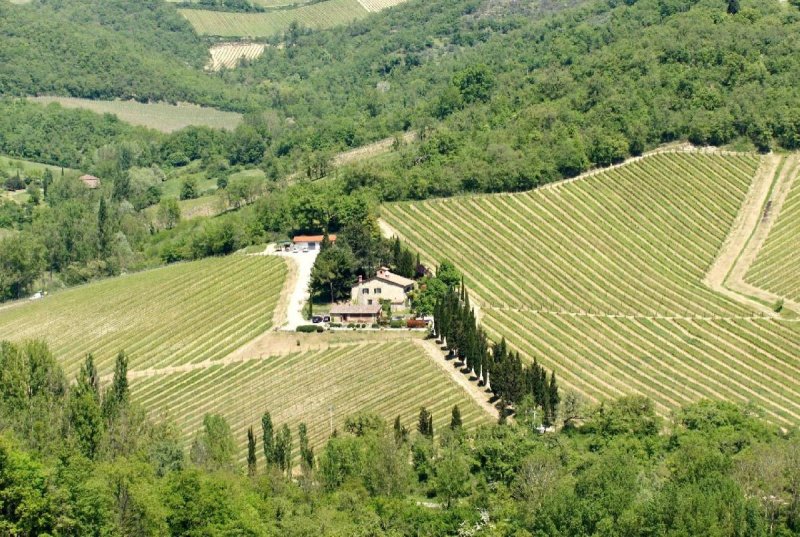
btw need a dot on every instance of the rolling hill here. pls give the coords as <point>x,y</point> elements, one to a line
<point>318,387</point>
<point>601,279</point>
<point>184,313</point>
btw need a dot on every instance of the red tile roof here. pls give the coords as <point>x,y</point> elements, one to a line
<point>312,238</point>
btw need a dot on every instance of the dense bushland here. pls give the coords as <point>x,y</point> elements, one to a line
<point>81,459</point>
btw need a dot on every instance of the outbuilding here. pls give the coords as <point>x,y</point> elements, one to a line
<point>312,242</point>
<point>352,313</point>
<point>90,181</point>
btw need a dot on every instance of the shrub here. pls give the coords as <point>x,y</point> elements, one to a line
<point>309,328</point>
<point>335,325</point>
<point>376,325</point>
<point>778,307</point>
<point>416,323</point>
<point>396,324</point>
<point>351,325</point>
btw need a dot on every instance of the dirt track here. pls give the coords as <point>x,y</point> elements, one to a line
<point>477,393</point>
<point>750,231</point>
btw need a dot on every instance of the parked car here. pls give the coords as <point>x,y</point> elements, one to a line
<point>316,319</point>
<point>326,318</point>
<point>305,249</point>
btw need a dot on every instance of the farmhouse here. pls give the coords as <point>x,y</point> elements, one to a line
<point>349,313</point>
<point>90,181</point>
<point>312,242</point>
<point>384,286</point>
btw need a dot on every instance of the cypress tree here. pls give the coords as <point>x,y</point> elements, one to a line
<point>547,413</point>
<point>397,252</point>
<point>552,395</point>
<point>455,419</point>
<point>424,421</point>
<point>251,452</point>
<point>306,452</point>
<point>398,431</point>
<point>47,180</point>
<point>103,229</point>
<point>430,426</point>
<point>117,395</point>
<point>283,449</point>
<point>85,412</point>
<point>268,439</point>
<point>502,417</point>
<point>733,7</point>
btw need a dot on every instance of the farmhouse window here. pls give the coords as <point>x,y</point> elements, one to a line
<point>369,302</point>
<point>365,291</point>
<point>377,290</point>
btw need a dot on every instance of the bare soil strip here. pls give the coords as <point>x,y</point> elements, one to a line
<point>746,221</point>
<point>272,344</point>
<point>765,219</point>
<point>473,390</point>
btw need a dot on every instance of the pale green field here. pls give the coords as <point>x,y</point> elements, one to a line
<point>159,116</point>
<point>777,267</point>
<point>320,15</point>
<point>320,388</point>
<point>27,167</point>
<point>184,313</point>
<point>600,279</point>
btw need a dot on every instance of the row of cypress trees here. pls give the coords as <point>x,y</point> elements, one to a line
<point>277,447</point>
<point>496,367</point>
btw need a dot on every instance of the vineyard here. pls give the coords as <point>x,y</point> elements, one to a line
<point>600,279</point>
<point>319,15</point>
<point>185,313</point>
<point>228,55</point>
<point>776,267</point>
<point>378,5</point>
<point>159,116</point>
<point>320,387</point>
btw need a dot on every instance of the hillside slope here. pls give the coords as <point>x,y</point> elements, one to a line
<point>600,279</point>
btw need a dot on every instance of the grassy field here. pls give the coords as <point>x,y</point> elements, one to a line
<point>320,388</point>
<point>26,167</point>
<point>319,15</point>
<point>601,280</point>
<point>777,267</point>
<point>159,116</point>
<point>185,313</point>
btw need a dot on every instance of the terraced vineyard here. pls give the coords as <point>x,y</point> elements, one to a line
<point>777,267</point>
<point>601,280</point>
<point>326,14</point>
<point>315,387</point>
<point>185,313</point>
